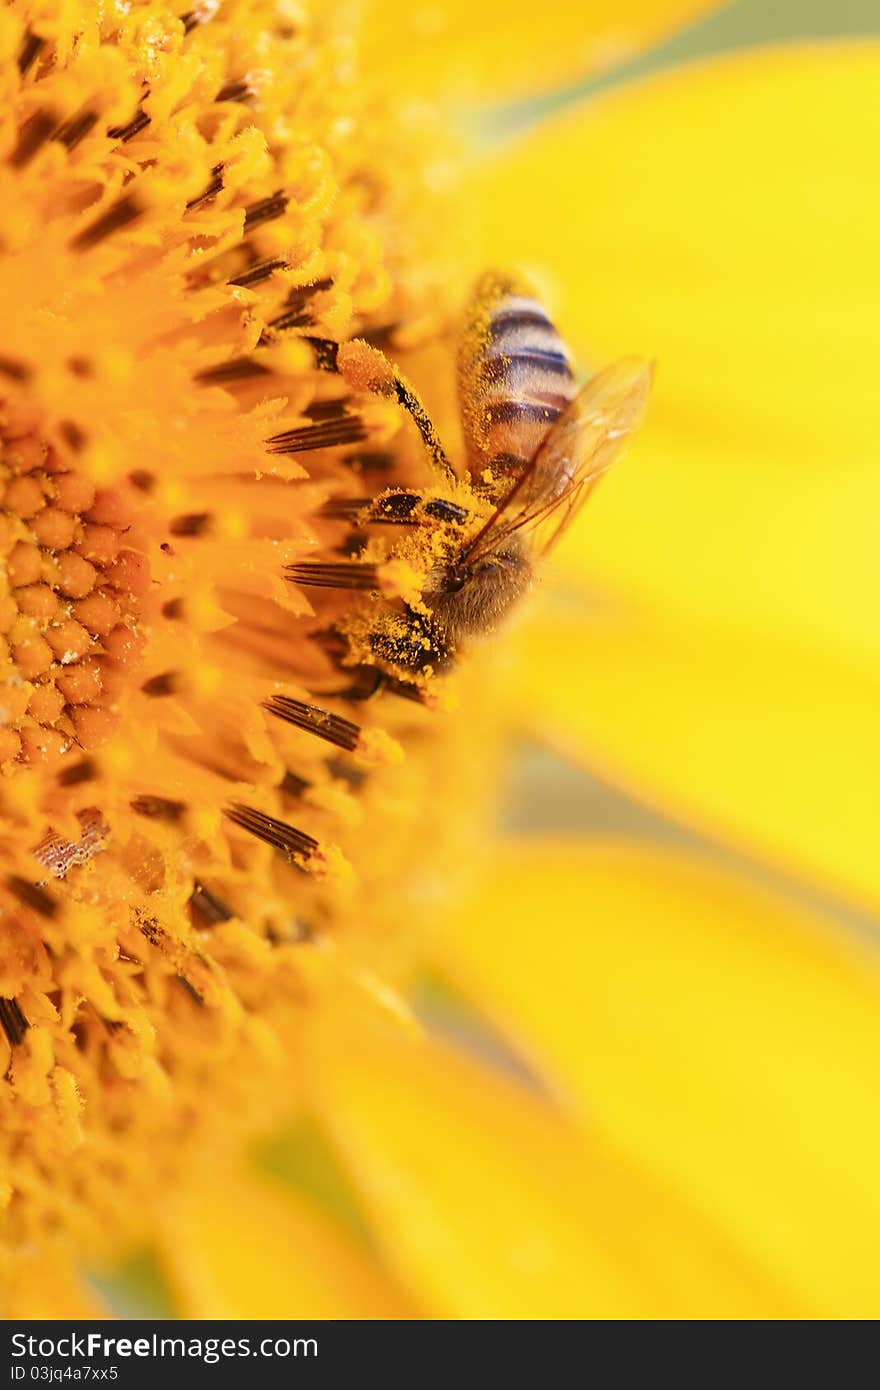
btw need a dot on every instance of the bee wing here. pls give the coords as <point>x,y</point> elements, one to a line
<point>582,445</point>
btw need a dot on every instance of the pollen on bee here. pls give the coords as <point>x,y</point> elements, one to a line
<point>365,368</point>
<point>399,579</point>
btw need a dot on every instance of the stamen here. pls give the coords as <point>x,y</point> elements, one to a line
<point>34,133</point>
<point>31,895</point>
<point>123,211</point>
<point>318,575</point>
<point>199,14</point>
<point>124,133</point>
<point>16,371</point>
<point>76,129</point>
<point>238,369</point>
<point>158,808</point>
<point>194,524</point>
<point>30,51</point>
<point>210,191</point>
<point>191,990</point>
<point>259,272</point>
<point>374,461</point>
<point>265,210</point>
<point>354,776</point>
<point>82,771</point>
<point>328,410</point>
<point>314,720</point>
<point>352,546</point>
<point>343,508</point>
<point>295,315</point>
<point>13,1021</point>
<point>209,907</point>
<point>286,839</point>
<point>241,90</point>
<point>71,434</point>
<point>142,479</point>
<point>166,684</point>
<point>326,434</point>
<point>293,785</point>
<point>381,335</point>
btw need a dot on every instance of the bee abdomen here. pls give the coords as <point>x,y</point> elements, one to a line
<point>521,381</point>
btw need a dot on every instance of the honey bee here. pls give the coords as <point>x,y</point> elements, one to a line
<point>536,443</point>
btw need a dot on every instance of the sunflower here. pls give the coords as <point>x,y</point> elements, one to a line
<point>290,1031</point>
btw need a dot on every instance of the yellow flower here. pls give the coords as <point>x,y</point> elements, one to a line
<point>197,207</point>
<point>644,1084</point>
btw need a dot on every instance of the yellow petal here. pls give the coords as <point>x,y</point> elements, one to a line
<point>48,1287</point>
<point>739,537</point>
<point>723,1038</point>
<point>495,51</point>
<point>491,1205</point>
<point>721,217</point>
<point>243,1246</point>
<point>759,742</point>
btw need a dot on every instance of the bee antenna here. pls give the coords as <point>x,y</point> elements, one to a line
<point>367,369</point>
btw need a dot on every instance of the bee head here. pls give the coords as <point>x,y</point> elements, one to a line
<point>472,595</point>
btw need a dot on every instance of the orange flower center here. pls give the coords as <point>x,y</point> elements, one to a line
<point>70,612</point>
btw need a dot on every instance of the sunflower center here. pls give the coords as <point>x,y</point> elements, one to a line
<point>70,603</point>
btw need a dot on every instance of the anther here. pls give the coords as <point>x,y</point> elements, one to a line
<point>293,785</point>
<point>120,214</point>
<point>30,50</point>
<point>31,895</point>
<point>265,210</point>
<point>325,434</point>
<point>261,271</point>
<point>342,733</point>
<point>158,808</point>
<point>34,134</point>
<point>13,1021</point>
<point>293,844</point>
<point>83,771</point>
<point>210,909</point>
<point>319,575</point>
<point>192,524</point>
<point>14,370</point>
<point>199,14</point>
<point>124,133</point>
<point>211,189</point>
<point>237,369</point>
<point>77,128</point>
<point>168,683</point>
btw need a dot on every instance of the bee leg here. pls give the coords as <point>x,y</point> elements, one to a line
<point>366,369</point>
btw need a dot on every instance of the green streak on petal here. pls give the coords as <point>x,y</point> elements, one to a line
<point>744,24</point>
<point>302,1157</point>
<point>134,1289</point>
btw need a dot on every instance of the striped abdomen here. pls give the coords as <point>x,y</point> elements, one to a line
<point>515,378</point>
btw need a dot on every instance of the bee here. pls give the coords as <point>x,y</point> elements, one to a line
<point>535,444</point>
